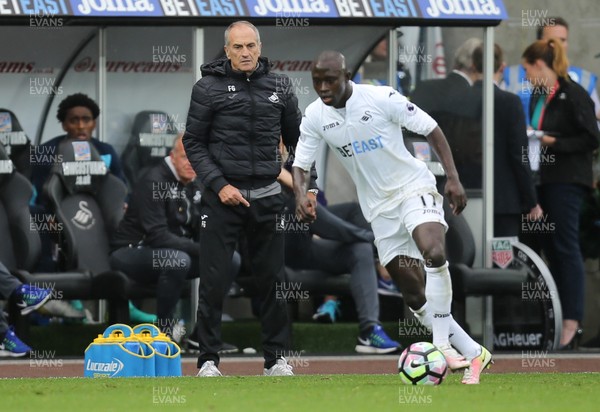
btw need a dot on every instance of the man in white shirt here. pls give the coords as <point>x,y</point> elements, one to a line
<point>397,193</point>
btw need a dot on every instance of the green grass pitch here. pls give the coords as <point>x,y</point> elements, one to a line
<point>366,393</point>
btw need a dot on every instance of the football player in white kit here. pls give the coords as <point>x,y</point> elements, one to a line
<point>397,194</point>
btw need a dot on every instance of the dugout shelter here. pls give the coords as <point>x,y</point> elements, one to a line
<point>133,56</point>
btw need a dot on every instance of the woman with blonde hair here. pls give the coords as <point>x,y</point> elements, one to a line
<point>562,113</point>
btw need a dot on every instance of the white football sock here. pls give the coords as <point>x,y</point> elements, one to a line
<point>461,341</point>
<point>438,291</point>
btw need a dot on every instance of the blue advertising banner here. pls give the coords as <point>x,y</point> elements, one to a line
<point>47,7</point>
<point>129,8</point>
<point>220,8</point>
<point>377,8</point>
<point>363,9</point>
<point>292,8</point>
<point>463,9</point>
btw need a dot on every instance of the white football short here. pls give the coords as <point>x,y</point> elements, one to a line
<point>393,228</point>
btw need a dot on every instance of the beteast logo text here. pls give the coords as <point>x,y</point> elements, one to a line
<point>360,146</point>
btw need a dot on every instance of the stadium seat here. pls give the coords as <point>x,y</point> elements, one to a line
<point>470,281</point>
<point>151,140</point>
<point>89,206</point>
<point>319,282</point>
<point>16,143</point>
<point>90,211</point>
<point>20,250</point>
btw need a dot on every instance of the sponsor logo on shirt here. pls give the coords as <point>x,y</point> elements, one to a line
<point>360,146</point>
<point>366,118</point>
<point>330,125</point>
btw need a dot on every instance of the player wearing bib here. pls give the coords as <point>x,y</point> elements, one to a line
<point>397,193</point>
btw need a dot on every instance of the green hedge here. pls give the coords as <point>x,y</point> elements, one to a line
<point>312,338</point>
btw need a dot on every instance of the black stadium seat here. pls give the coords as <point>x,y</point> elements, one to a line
<point>320,283</point>
<point>15,141</point>
<point>88,202</point>
<point>20,250</point>
<point>151,140</point>
<point>91,206</point>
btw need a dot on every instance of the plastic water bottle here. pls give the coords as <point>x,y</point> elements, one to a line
<point>133,347</point>
<point>161,347</point>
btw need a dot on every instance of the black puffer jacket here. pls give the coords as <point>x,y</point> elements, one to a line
<point>234,124</point>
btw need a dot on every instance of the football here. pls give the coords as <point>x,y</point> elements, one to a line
<point>422,364</point>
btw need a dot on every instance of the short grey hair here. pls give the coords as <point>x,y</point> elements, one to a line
<point>237,23</point>
<point>463,58</point>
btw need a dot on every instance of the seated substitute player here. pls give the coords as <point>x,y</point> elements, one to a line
<point>78,115</point>
<point>156,242</point>
<point>397,193</point>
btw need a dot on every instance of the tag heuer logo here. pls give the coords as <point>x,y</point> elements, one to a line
<point>274,98</point>
<point>502,253</point>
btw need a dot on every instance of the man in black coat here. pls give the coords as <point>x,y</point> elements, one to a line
<point>238,112</point>
<point>514,191</point>
<point>454,105</point>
